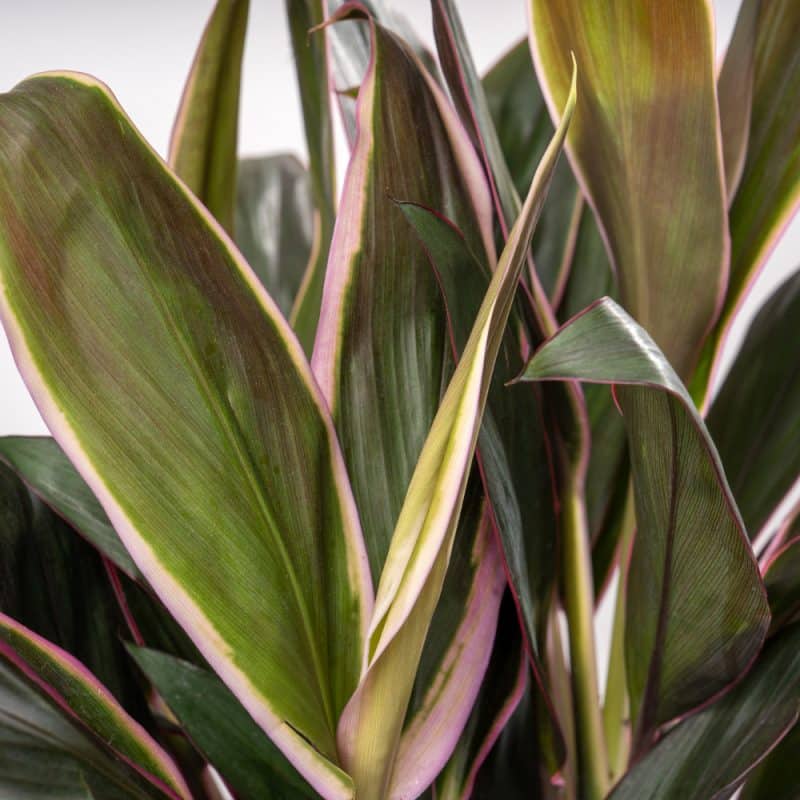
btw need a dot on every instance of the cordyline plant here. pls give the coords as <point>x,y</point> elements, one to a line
<point>334,489</point>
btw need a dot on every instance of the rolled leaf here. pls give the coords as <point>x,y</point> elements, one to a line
<point>84,700</point>
<point>274,223</point>
<point>423,539</point>
<point>696,608</point>
<point>202,150</point>
<point>768,193</point>
<point>223,731</point>
<point>43,755</point>
<point>42,464</point>
<point>206,440</point>
<point>711,753</point>
<point>646,148</point>
<point>756,415</point>
<point>311,64</point>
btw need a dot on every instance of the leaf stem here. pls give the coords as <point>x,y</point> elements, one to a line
<point>616,710</point>
<point>579,591</point>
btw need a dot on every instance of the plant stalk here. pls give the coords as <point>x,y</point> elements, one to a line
<point>579,592</point>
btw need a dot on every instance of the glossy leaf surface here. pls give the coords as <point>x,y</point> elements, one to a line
<point>412,577</point>
<point>696,607</point>
<point>274,223</point>
<point>755,418</point>
<point>202,149</point>
<point>206,441</point>
<point>221,728</point>
<point>67,683</point>
<point>646,147</point>
<point>710,754</point>
<point>42,464</point>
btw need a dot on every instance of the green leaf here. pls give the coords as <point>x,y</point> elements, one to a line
<point>775,778</point>
<point>414,571</point>
<point>57,585</point>
<point>187,406</point>
<point>768,192</point>
<point>274,218</point>
<point>202,150</point>
<point>782,579</point>
<point>711,753</point>
<point>45,757</point>
<point>221,729</point>
<point>696,607</point>
<point>382,333</point>
<point>41,463</point>
<point>646,148</point>
<point>67,683</point>
<point>755,417</point>
<point>311,64</point>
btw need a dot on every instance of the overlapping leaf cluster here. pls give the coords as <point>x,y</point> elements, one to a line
<point>336,478</point>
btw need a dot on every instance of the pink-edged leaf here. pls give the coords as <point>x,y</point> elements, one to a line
<point>202,149</point>
<point>782,579</point>
<point>696,613</point>
<point>71,687</point>
<point>646,147</point>
<point>175,386</point>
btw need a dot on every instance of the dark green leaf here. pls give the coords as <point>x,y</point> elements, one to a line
<point>777,776</point>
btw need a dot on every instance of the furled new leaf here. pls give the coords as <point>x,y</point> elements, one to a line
<point>67,683</point>
<point>412,577</point>
<point>223,731</point>
<point>202,149</point>
<point>646,147</point>
<point>711,753</point>
<point>696,608</point>
<point>274,218</point>
<point>173,383</point>
<point>755,418</point>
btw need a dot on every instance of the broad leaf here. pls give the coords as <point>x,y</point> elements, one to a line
<point>222,730</point>
<point>412,577</point>
<point>311,64</point>
<point>646,148</point>
<point>43,756</point>
<point>768,191</point>
<point>755,418</point>
<point>711,753</point>
<point>696,607</point>
<point>274,219</point>
<point>70,687</point>
<point>57,585</point>
<point>775,778</point>
<point>206,440</point>
<point>41,463</point>
<point>202,150</point>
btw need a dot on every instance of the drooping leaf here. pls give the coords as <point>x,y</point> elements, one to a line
<point>711,753</point>
<point>205,439</point>
<point>782,579</point>
<point>646,148</point>
<point>311,65</point>
<point>70,687</point>
<point>57,585</point>
<point>768,192</point>
<point>755,418</point>
<point>202,149</point>
<point>43,756</point>
<point>776,777</point>
<point>41,463</point>
<point>413,574</point>
<point>221,728</point>
<point>696,607</point>
<point>274,219</point>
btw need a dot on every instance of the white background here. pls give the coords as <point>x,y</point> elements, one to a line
<point>143,51</point>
